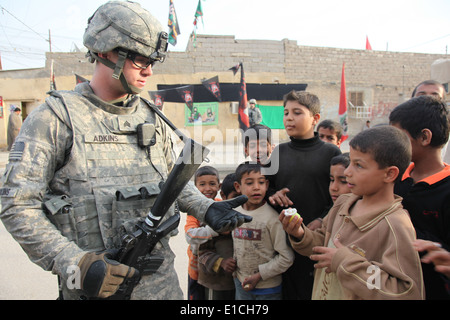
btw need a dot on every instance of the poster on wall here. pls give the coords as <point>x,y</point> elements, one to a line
<point>206,113</point>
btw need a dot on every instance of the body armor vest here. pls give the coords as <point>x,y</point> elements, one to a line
<point>112,181</point>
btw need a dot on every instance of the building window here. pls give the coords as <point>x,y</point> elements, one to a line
<point>357,107</point>
<point>356,98</point>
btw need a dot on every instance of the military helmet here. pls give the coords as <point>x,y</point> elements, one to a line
<point>123,24</point>
<point>127,27</point>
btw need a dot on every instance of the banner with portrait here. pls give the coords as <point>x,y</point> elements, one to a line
<point>206,113</point>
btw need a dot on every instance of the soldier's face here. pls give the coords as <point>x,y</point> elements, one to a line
<point>135,76</point>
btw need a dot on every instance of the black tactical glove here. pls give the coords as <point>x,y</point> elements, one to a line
<point>101,276</point>
<point>221,216</point>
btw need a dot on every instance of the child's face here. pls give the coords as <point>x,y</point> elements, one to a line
<point>329,135</point>
<point>259,150</point>
<point>254,185</point>
<point>338,182</point>
<point>364,177</point>
<point>231,195</point>
<point>208,185</point>
<point>298,120</point>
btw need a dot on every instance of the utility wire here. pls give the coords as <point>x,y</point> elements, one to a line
<point>3,9</point>
<point>422,44</point>
<point>37,33</point>
<point>53,35</point>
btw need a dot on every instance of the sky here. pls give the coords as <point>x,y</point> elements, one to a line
<point>390,25</point>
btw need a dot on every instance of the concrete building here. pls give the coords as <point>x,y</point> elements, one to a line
<point>376,81</point>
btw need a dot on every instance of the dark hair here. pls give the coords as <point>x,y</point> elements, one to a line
<point>206,171</point>
<point>388,146</point>
<point>428,83</point>
<point>228,184</point>
<point>343,159</point>
<point>332,125</point>
<point>246,168</point>
<point>424,112</point>
<point>309,100</point>
<point>257,132</point>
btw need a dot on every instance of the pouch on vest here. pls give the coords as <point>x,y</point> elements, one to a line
<point>131,205</point>
<point>59,212</point>
<point>78,222</point>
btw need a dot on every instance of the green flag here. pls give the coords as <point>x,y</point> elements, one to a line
<point>174,29</point>
<point>272,116</point>
<point>198,13</point>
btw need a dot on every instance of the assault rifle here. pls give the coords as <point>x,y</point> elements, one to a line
<point>136,248</point>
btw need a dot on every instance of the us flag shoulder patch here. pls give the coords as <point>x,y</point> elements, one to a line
<point>16,152</point>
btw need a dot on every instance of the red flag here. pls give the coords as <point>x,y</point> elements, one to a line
<point>243,112</point>
<point>343,106</point>
<point>368,46</point>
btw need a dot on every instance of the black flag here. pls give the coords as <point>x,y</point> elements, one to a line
<point>213,86</point>
<point>187,94</point>
<point>80,79</point>
<point>158,98</point>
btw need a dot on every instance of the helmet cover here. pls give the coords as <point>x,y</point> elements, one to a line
<point>122,24</point>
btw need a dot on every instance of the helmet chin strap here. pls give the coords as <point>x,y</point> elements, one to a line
<point>118,70</point>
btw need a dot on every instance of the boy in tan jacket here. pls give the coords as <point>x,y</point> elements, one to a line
<point>364,249</point>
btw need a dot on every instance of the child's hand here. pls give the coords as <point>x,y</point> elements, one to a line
<point>325,255</point>
<point>228,265</point>
<point>251,282</point>
<point>315,224</point>
<point>435,254</point>
<point>280,198</point>
<point>292,225</point>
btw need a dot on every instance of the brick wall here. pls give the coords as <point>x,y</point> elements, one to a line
<point>386,78</point>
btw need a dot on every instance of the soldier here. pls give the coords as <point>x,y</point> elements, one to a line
<point>69,188</point>
<point>254,114</point>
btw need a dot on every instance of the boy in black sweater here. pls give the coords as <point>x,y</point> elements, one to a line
<point>302,179</point>
<point>425,186</point>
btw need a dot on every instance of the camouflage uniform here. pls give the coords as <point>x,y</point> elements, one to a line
<point>57,205</point>
<point>74,156</point>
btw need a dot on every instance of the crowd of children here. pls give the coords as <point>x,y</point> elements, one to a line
<point>373,223</point>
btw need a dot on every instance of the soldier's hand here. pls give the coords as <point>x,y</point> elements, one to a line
<point>101,276</point>
<point>221,216</point>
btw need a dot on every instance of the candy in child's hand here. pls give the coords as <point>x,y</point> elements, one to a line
<point>291,213</point>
